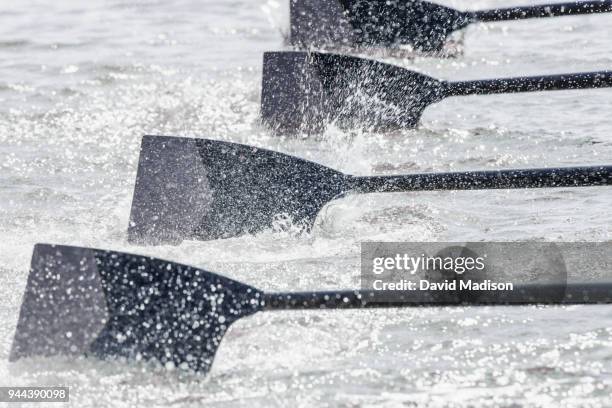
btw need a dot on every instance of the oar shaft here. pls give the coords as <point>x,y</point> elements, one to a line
<point>484,180</point>
<point>525,294</point>
<point>544,10</point>
<point>585,80</point>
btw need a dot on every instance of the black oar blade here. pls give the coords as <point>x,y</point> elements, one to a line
<point>303,92</point>
<point>111,304</point>
<point>207,189</point>
<point>374,23</point>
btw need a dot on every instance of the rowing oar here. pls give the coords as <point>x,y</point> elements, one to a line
<point>303,92</point>
<point>208,189</point>
<point>422,25</point>
<point>111,304</point>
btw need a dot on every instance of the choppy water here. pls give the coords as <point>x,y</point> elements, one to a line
<point>81,82</point>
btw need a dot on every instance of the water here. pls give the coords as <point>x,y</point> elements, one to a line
<point>81,83</point>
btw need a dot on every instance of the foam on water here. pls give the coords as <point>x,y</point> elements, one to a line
<point>81,83</point>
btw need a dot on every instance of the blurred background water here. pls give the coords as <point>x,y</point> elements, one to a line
<point>80,83</point>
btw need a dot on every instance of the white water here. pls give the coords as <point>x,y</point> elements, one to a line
<point>80,83</point>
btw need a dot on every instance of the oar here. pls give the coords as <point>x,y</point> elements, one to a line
<point>207,189</point>
<point>422,25</point>
<point>111,304</point>
<point>303,92</point>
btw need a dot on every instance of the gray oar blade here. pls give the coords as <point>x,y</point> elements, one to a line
<point>207,189</point>
<point>111,304</point>
<point>304,92</point>
<point>316,23</point>
<point>422,25</point>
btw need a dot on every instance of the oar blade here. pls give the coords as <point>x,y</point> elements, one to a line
<point>320,23</point>
<point>111,304</point>
<point>293,99</point>
<point>373,23</point>
<point>207,189</point>
<point>171,194</point>
<point>304,92</point>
